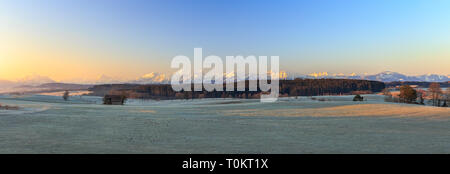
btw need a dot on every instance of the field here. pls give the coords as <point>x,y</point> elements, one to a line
<point>323,124</point>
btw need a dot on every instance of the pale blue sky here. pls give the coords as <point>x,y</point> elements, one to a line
<point>141,36</point>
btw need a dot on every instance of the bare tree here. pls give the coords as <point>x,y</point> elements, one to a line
<point>387,95</point>
<point>421,94</point>
<point>446,98</point>
<point>447,94</point>
<point>66,95</point>
<point>435,92</point>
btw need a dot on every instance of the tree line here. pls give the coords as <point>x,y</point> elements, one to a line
<point>297,87</point>
<point>435,95</point>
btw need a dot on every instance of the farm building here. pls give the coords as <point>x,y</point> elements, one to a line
<point>114,99</point>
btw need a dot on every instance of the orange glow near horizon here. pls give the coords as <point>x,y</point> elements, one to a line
<point>22,56</point>
<point>82,40</point>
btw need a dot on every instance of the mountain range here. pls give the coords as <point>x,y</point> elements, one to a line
<point>386,76</point>
<point>154,78</point>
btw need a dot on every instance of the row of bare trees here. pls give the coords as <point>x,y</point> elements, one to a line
<point>435,94</point>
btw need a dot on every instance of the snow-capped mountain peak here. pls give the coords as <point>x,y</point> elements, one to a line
<point>35,80</point>
<point>385,76</point>
<point>151,78</point>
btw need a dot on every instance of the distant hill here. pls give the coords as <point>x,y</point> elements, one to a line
<point>419,84</point>
<point>65,86</point>
<point>34,80</point>
<point>386,76</point>
<point>6,83</point>
<point>47,87</point>
<point>389,76</point>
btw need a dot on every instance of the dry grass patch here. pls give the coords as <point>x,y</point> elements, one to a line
<point>393,110</point>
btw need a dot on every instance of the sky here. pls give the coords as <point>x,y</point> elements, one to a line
<point>81,40</point>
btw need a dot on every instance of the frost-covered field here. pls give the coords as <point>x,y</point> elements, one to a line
<point>47,124</point>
